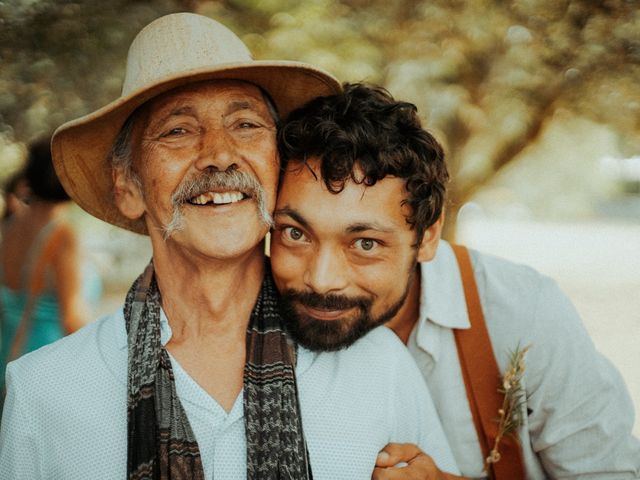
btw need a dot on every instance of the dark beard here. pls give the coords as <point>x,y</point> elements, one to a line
<point>331,335</point>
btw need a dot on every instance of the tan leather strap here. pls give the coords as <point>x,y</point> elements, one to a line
<point>482,378</point>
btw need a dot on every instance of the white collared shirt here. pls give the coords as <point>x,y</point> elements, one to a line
<point>65,413</point>
<point>578,416</point>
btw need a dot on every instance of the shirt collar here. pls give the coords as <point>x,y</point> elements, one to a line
<point>442,297</point>
<point>442,301</point>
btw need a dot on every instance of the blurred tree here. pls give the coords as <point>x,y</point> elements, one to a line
<point>486,75</point>
<point>62,59</point>
<point>490,75</point>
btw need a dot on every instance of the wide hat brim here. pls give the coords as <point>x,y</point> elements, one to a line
<point>81,147</point>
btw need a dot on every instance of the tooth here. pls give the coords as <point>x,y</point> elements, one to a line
<point>217,198</point>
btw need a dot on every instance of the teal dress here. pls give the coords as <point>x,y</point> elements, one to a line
<point>45,324</point>
<point>45,320</point>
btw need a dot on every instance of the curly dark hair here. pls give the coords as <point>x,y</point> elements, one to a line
<point>365,126</point>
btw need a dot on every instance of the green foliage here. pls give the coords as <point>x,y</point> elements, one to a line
<point>63,59</point>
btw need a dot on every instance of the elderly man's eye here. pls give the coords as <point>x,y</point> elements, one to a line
<point>174,132</point>
<point>248,125</point>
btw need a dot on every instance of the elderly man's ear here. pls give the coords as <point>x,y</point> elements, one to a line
<point>430,241</point>
<point>127,194</point>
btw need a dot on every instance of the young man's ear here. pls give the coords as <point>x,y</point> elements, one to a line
<point>128,196</point>
<point>430,240</point>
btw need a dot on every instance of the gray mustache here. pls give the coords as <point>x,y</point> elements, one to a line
<point>218,180</point>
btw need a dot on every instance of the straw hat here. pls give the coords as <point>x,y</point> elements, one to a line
<point>172,51</point>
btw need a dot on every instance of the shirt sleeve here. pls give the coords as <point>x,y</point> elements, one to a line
<point>580,415</point>
<point>416,419</point>
<point>18,445</point>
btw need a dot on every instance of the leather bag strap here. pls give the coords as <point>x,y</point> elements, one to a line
<point>482,379</point>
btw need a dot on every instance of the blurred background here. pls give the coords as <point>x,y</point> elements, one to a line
<point>537,103</point>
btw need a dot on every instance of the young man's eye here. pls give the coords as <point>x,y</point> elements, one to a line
<point>293,233</point>
<point>366,244</point>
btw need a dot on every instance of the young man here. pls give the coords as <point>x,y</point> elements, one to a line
<point>357,244</point>
<point>197,377</point>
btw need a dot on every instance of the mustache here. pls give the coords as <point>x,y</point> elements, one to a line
<point>326,302</point>
<point>208,180</point>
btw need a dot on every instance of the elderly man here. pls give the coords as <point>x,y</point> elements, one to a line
<point>197,377</point>
<point>357,223</point>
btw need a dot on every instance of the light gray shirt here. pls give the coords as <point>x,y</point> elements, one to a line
<point>578,415</point>
<point>65,415</point>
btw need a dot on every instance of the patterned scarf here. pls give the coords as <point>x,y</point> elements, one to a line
<point>161,444</point>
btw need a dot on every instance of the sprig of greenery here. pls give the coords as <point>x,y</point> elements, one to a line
<point>510,414</point>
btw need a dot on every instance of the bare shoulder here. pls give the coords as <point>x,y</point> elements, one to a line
<point>65,235</point>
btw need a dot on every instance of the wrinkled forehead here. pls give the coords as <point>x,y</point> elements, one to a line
<point>210,92</point>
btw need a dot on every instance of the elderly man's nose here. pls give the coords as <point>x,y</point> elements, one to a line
<point>216,152</point>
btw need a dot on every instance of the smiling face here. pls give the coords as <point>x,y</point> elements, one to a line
<point>343,262</point>
<point>207,165</point>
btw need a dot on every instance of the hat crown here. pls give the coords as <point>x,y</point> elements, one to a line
<point>176,44</point>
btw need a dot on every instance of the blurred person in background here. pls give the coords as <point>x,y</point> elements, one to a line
<point>41,287</point>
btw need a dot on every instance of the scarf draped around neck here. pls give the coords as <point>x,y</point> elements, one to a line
<point>161,444</point>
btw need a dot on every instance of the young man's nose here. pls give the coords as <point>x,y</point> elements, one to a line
<point>326,272</point>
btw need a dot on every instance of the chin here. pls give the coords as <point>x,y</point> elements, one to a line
<point>228,244</point>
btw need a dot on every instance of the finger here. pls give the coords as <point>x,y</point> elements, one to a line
<point>379,474</point>
<point>395,453</point>
<point>423,461</point>
<point>396,474</point>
